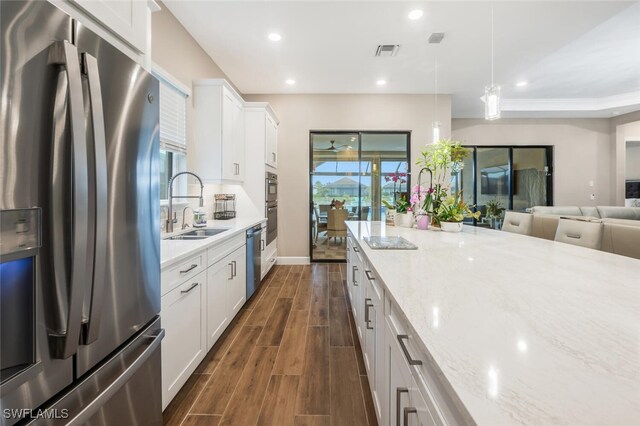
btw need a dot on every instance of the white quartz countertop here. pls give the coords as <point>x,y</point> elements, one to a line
<point>172,251</point>
<point>525,330</point>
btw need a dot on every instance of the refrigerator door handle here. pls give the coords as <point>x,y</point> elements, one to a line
<point>68,100</point>
<point>96,404</point>
<point>92,325</point>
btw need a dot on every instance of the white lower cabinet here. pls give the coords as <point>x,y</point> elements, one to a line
<point>405,388</point>
<point>404,403</point>
<point>217,313</point>
<point>196,309</point>
<point>237,286</point>
<point>185,344</point>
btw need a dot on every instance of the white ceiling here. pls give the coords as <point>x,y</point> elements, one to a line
<point>581,58</point>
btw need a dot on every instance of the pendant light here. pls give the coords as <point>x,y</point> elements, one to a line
<point>435,126</point>
<point>492,92</point>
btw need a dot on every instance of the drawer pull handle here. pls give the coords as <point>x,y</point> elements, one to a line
<point>353,275</point>
<point>190,268</point>
<point>399,392</point>
<point>368,274</point>
<point>235,270</point>
<point>194,285</point>
<point>231,271</point>
<point>367,305</point>
<point>411,361</point>
<point>356,249</point>
<point>407,411</point>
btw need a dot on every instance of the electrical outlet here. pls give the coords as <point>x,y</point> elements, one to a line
<point>593,197</point>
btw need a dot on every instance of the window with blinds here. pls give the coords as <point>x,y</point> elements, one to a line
<point>173,118</point>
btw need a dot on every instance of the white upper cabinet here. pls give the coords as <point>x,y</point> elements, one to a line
<point>218,151</point>
<point>125,18</point>
<point>271,146</point>
<point>261,126</point>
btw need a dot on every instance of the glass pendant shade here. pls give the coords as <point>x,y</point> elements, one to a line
<point>436,131</point>
<point>492,102</point>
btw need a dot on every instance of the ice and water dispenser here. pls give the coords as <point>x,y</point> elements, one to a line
<point>19,245</point>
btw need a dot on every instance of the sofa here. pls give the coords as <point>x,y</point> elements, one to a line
<point>598,212</point>
<point>620,229</point>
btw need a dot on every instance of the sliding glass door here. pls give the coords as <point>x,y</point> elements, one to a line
<point>512,177</point>
<point>351,174</point>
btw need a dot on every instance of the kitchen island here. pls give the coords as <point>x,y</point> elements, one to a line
<point>510,329</point>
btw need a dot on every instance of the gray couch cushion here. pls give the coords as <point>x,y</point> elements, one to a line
<point>557,210</point>
<point>616,212</point>
<point>590,211</point>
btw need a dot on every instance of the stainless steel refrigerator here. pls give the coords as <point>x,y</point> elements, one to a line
<point>79,242</point>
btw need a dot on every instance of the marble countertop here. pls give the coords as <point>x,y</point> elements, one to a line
<point>172,251</point>
<point>525,330</point>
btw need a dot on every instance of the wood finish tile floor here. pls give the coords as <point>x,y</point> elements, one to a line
<point>290,357</point>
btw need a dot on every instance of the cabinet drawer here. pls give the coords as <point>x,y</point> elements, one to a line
<point>219,251</point>
<point>181,272</point>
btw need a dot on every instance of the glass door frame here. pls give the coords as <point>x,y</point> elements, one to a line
<point>548,157</point>
<point>358,134</point>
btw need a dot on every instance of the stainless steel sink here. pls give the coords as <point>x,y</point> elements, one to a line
<point>198,234</point>
<point>187,237</point>
<point>205,232</point>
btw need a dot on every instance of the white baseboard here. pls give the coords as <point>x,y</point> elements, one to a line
<point>293,260</point>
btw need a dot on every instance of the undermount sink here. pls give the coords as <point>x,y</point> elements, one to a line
<point>198,234</point>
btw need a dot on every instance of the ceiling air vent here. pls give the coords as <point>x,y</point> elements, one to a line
<point>436,38</point>
<point>387,49</point>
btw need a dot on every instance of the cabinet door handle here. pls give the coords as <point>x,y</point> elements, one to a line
<point>407,411</point>
<point>189,269</point>
<point>194,285</point>
<point>368,274</point>
<point>367,305</point>
<point>231,266</point>
<point>353,275</point>
<point>411,361</point>
<point>356,249</point>
<point>261,245</point>
<point>234,266</point>
<point>399,392</point>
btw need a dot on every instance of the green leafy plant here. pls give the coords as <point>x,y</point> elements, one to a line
<point>401,205</point>
<point>494,208</point>
<point>454,209</point>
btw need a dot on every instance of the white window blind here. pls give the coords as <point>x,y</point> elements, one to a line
<point>173,118</point>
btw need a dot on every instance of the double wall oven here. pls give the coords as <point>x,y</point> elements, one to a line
<point>271,206</point>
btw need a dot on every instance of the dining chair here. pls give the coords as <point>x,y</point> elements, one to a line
<point>518,223</point>
<point>622,239</point>
<point>336,226</point>
<point>320,225</point>
<point>580,233</point>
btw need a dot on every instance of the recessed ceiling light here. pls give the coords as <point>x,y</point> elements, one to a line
<point>522,83</point>
<point>275,37</point>
<point>415,14</point>
<point>381,82</point>
<point>290,82</point>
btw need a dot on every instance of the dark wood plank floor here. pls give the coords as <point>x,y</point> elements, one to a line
<point>290,357</point>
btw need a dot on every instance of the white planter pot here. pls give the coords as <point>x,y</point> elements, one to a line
<point>405,220</point>
<point>451,226</point>
<point>390,216</point>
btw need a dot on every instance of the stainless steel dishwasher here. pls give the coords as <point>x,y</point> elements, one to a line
<point>254,259</point>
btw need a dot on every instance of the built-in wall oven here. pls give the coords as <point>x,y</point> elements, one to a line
<point>271,206</point>
<point>271,188</point>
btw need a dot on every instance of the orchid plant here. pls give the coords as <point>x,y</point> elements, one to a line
<point>455,209</point>
<point>398,180</point>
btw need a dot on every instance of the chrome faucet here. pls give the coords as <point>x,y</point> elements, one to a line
<point>184,217</point>
<point>171,215</point>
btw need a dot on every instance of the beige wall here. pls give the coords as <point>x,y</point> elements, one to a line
<point>582,151</point>
<point>300,114</point>
<point>175,51</point>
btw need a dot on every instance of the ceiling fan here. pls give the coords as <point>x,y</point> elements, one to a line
<point>334,148</point>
